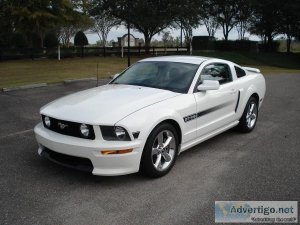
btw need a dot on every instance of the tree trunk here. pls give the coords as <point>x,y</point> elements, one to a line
<point>269,42</point>
<point>288,44</point>
<point>226,36</point>
<point>42,40</point>
<point>147,43</point>
<point>269,38</point>
<point>225,32</point>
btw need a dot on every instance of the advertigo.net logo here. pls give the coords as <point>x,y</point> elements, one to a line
<point>256,211</point>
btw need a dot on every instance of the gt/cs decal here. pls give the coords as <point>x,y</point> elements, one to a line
<point>202,113</point>
<point>190,117</point>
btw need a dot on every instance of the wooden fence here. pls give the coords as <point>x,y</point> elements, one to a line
<point>71,52</point>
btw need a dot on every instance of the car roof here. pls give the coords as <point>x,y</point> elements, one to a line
<point>181,59</point>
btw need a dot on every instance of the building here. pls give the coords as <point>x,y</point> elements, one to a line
<point>123,41</point>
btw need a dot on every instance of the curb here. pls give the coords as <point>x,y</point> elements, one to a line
<point>79,80</point>
<point>23,87</point>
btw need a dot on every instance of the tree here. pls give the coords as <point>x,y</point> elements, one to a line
<point>103,23</point>
<point>209,17</point>
<point>226,15</point>
<point>243,17</point>
<point>148,17</point>
<point>265,19</point>
<point>39,16</point>
<point>166,35</point>
<point>80,39</point>
<point>75,19</point>
<point>187,18</point>
<point>6,22</point>
<point>289,20</point>
<point>167,39</point>
<point>211,25</point>
<point>72,25</point>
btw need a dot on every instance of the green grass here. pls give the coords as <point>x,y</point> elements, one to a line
<point>22,72</point>
<point>267,70</point>
<point>283,60</point>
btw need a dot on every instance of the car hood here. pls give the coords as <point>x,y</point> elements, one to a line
<point>104,105</point>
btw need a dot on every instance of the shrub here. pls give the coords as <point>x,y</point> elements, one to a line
<point>19,40</point>
<point>51,40</point>
<point>238,45</point>
<point>80,39</point>
<point>36,40</point>
<point>269,47</point>
<point>203,43</point>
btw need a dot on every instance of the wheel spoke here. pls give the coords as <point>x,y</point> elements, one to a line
<point>166,156</point>
<point>248,115</point>
<point>249,122</point>
<point>251,109</point>
<point>160,139</point>
<point>155,151</point>
<point>167,142</point>
<point>158,161</point>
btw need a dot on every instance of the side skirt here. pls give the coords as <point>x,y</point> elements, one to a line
<point>207,136</point>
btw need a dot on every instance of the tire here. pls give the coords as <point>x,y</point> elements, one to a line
<point>157,160</point>
<point>249,117</point>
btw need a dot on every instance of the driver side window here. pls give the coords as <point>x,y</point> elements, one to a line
<point>216,71</point>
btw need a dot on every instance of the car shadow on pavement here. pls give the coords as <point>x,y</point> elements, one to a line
<point>80,177</point>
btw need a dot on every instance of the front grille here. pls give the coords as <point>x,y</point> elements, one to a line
<point>68,128</point>
<point>73,162</point>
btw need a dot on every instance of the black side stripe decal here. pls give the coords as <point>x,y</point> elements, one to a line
<point>202,113</point>
<point>238,101</point>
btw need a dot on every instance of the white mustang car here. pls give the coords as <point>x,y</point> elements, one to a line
<point>148,114</point>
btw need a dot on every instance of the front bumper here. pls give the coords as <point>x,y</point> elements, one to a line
<point>106,165</point>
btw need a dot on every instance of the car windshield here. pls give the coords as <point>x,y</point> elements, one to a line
<point>171,76</point>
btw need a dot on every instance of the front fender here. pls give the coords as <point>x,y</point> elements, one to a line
<point>176,109</point>
<point>145,120</point>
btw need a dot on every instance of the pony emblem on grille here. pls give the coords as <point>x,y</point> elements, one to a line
<point>61,125</point>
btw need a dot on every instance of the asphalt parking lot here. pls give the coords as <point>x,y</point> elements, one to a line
<point>263,165</point>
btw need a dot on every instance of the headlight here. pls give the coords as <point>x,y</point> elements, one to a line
<point>111,133</point>
<point>120,132</point>
<point>84,129</point>
<point>47,121</point>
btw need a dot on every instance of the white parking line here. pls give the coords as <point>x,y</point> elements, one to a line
<point>17,133</point>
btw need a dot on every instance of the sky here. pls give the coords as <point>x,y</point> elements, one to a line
<point>200,31</point>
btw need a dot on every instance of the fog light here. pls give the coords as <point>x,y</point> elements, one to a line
<point>114,152</point>
<point>47,121</point>
<point>85,131</point>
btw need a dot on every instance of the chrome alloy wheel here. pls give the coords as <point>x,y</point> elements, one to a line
<point>163,150</point>
<point>251,115</point>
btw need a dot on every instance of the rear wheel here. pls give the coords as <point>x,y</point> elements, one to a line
<point>160,151</point>
<point>249,117</point>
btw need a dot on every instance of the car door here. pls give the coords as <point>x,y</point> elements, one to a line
<point>215,108</point>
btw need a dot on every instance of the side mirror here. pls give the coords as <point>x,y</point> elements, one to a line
<point>209,85</point>
<point>114,76</point>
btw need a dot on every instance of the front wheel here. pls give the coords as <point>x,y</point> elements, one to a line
<point>249,117</point>
<point>160,151</point>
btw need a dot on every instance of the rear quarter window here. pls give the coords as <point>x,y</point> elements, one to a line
<point>239,72</point>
